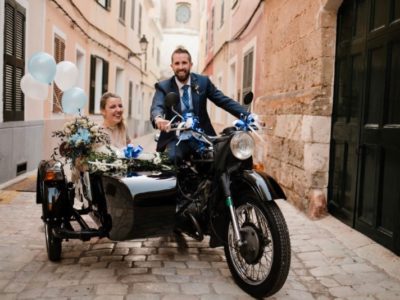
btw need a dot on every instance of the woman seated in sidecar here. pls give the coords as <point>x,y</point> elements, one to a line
<point>113,122</point>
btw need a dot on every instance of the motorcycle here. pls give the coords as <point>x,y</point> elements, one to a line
<point>214,192</point>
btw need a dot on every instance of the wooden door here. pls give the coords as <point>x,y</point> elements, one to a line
<point>364,186</point>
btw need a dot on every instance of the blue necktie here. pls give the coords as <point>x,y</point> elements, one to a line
<point>185,97</point>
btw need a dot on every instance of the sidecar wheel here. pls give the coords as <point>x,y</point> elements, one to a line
<point>53,244</point>
<point>260,266</point>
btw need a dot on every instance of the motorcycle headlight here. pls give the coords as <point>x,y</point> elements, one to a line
<point>242,145</point>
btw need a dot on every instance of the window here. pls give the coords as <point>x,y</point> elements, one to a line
<point>105,3</point>
<point>59,55</point>
<point>212,28</point>
<point>98,82</point>
<point>182,14</point>
<point>247,72</point>
<point>119,82</point>
<point>140,21</point>
<point>222,13</point>
<point>14,61</point>
<point>122,7</point>
<point>80,64</point>
<point>130,99</point>
<point>133,14</point>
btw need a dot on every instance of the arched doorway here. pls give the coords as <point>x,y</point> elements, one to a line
<point>364,184</point>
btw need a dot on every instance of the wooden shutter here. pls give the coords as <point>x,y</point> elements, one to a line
<point>104,81</point>
<point>130,99</point>
<point>59,55</point>
<point>105,77</point>
<point>92,90</point>
<point>14,61</point>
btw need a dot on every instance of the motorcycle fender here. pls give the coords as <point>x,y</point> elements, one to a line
<point>263,184</point>
<point>52,192</point>
<point>58,176</point>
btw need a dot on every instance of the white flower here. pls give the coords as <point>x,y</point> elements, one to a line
<point>82,121</point>
<point>94,129</point>
<point>157,159</point>
<point>146,156</point>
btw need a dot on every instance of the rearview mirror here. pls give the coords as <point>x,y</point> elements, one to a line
<point>171,99</point>
<point>248,98</point>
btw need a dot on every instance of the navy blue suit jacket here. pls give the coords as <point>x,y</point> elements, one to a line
<point>202,89</point>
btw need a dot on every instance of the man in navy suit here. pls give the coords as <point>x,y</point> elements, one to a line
<point>198,89</point>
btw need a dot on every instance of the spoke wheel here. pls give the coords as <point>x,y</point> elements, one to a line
<point>260,266</point>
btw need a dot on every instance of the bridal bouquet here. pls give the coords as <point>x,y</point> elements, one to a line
<point>85,145</point>
<point>78,139</point>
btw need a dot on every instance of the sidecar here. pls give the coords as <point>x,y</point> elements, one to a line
<point>123,206</point>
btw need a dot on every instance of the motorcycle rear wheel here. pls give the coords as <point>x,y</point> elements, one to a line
<point>261,266</point>
<point>53,243</point>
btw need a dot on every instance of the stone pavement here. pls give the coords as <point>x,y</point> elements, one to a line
<point>329,261</point>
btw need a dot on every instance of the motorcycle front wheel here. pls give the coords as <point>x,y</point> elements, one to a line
<point>261,265</point>
<point>53,243</point>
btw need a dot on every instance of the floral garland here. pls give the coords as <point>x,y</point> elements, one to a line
<point>85,145</point>
<point>102,162</point>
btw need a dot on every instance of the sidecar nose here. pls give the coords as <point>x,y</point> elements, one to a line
<point>141,205</point>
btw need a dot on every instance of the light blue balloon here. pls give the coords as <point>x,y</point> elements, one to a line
<point>73,100</point>
<point>42,67</point>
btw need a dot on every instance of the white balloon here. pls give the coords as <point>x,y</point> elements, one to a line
<point>66,75</point>
<point>34,89</point>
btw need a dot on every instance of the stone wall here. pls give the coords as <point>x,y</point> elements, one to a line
<point>297,95</point>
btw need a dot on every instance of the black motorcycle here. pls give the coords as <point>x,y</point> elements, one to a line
<point>215,191</point>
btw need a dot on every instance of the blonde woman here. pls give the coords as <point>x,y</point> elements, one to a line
<point>113,122</point>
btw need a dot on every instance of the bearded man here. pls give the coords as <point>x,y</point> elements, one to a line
<point>194,91</point>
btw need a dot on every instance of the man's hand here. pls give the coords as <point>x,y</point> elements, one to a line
<point>162,124</point>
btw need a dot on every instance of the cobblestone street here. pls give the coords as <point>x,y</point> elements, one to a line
<point>329,261</point>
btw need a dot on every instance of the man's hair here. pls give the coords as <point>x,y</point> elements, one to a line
<point>181,49</point>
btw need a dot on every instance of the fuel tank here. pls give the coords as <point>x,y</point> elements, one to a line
<point>141,204</point>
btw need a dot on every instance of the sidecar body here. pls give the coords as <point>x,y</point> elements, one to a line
<point>124,206</point>
<point>140,205</point>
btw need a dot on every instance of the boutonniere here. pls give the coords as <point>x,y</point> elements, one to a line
<point>196,87</point>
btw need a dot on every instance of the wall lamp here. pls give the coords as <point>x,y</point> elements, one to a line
<point>143,42</point>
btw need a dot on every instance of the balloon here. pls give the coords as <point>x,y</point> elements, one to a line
<point>73,100</point>
<point>33,88</point>
<point>42,67</point>
<point>66,75</point>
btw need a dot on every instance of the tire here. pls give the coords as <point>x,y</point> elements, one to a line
<point>53,244</point>
<point>261,266</point>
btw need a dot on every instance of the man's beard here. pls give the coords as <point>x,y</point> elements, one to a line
<point>182,77</point>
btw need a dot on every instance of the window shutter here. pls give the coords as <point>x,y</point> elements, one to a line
<point>105,77</point>
<point>59,55</point>
<point>130,99</point>
<point>14,61</point>
<point>247,73</point>
<point>92,83</point>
